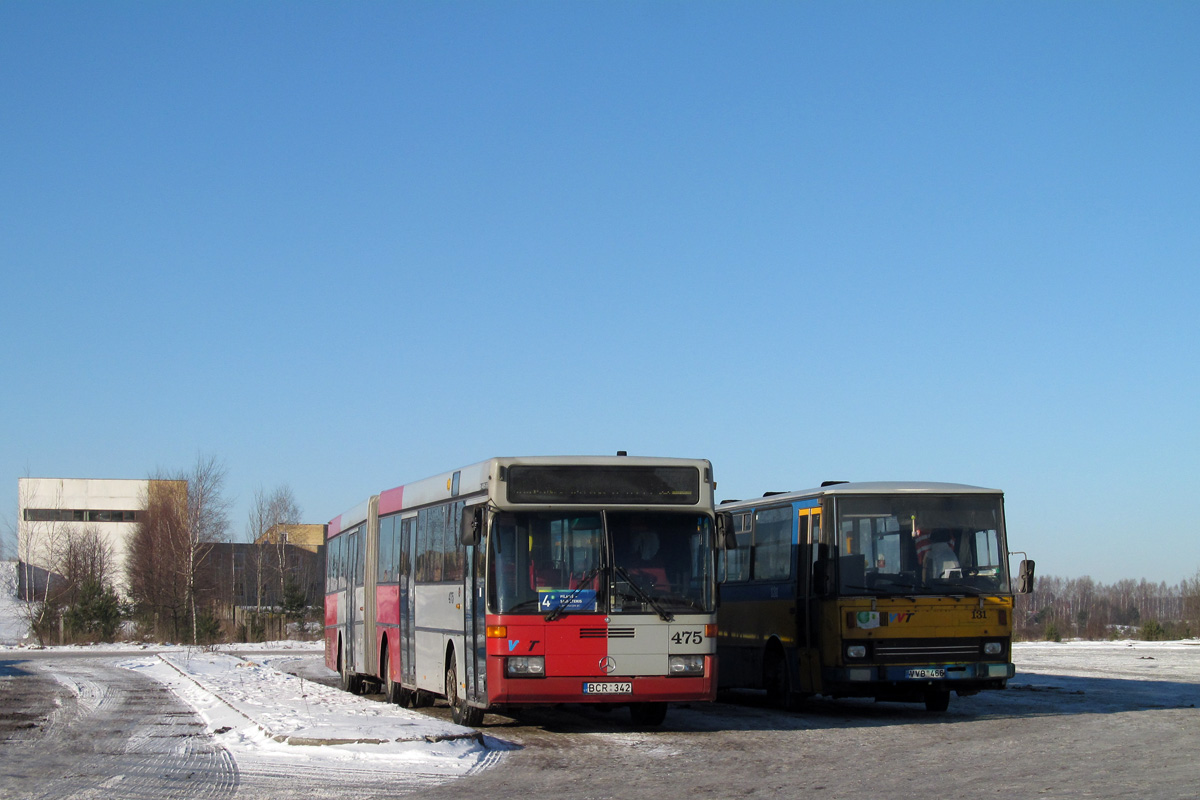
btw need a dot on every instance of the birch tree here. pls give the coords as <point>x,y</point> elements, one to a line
<point>207,524</point>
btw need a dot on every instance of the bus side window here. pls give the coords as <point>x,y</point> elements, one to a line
<point>738,560</point>
<point>772,554</point>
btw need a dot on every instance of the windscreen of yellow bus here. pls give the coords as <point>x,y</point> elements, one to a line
<point>921,545</point>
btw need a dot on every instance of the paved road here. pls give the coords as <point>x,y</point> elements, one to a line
<point>99,731</point>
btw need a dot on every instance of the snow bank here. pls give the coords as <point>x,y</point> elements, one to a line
<point>261,714</point>
<point>292,710</point>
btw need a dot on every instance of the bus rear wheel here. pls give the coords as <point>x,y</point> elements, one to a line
<point>460,711</point>
<point>393,692</point>
<point>348,680</point>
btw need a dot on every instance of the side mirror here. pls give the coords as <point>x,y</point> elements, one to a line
<point>472,526</point>
<point>726,538</point>
<point>1025,577</point>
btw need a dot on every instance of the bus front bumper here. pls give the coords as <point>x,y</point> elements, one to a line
<point>863,680</point>
<point>562,689</point>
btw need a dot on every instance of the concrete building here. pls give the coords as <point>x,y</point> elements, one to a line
<point>51,510</point>
<point>306,536</point>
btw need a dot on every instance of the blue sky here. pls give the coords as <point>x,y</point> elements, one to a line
<point>344,246</point>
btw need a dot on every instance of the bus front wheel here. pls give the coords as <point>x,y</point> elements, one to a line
<point>648,715</point>
<point>937,699</point>
<point>777,681</point>
<point>460,711</point>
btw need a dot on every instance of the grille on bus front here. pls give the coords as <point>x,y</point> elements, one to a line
<point>606,633</point>
<point>898,651</point>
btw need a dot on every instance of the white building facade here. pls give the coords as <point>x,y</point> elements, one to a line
<point>51,510</point>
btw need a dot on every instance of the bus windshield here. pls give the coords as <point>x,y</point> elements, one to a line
<point>921,545</point>
<point>650,562</point>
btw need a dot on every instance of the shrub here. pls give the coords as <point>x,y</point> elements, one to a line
<point>96,614</point>
<point>1152,631</point>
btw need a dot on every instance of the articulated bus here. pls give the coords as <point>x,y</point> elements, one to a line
<point>895,591</point>
<point>521,581</point>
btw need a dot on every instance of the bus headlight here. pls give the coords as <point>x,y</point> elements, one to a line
<point>526,667</point>
<point>993,648</point>
<point>686,665</point>
<point>856,651</point>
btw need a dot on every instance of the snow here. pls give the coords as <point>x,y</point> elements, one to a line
<point>260,713</point>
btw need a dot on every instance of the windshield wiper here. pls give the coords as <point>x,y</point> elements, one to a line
<point>561,608</point>
<point>642,595</point>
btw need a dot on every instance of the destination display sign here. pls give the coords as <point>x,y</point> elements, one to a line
<point>594,485</point>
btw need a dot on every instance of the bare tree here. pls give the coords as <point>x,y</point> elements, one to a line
<point>185,515</point>
<point>41,548</point>
<point>207,522</point>
<point>86,557</point>
<point>157,546</point>
<point>271,515</point>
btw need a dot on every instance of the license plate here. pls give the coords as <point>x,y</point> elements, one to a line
<point>926,673</point>
<point>608,688</point>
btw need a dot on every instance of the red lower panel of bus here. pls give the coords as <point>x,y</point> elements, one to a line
<point>502,689</point>
<point>331,605</point>
<point>583,657</point>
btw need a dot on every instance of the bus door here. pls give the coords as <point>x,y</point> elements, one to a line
<point>408,648</point>
<point>474,657</point>
<point>808,611</point>
<point>354,600</point>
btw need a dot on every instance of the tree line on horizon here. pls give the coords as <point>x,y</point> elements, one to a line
<point>1082,608</point>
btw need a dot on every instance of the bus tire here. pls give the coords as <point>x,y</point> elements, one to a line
<point>647,715</point>
<point>391,688</point>
<point>460,711</point>
<point>937,700</point>
<point>777,681</point>
<point>349,681</point>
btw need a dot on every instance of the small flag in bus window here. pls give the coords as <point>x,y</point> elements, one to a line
<point>923,543</point>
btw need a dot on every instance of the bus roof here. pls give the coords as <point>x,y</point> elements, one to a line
<point>864,487</point>
<point>474,478</point>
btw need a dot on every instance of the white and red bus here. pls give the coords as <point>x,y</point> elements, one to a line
<point>521,581</point>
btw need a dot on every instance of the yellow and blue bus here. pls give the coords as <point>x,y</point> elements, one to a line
<point>895,591</point>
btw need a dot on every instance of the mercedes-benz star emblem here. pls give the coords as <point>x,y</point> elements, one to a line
<point>608,664</point>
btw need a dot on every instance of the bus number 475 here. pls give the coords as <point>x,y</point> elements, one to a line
<point>688,637</point>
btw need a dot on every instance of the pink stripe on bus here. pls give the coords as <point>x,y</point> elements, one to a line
<point>391,500</point>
